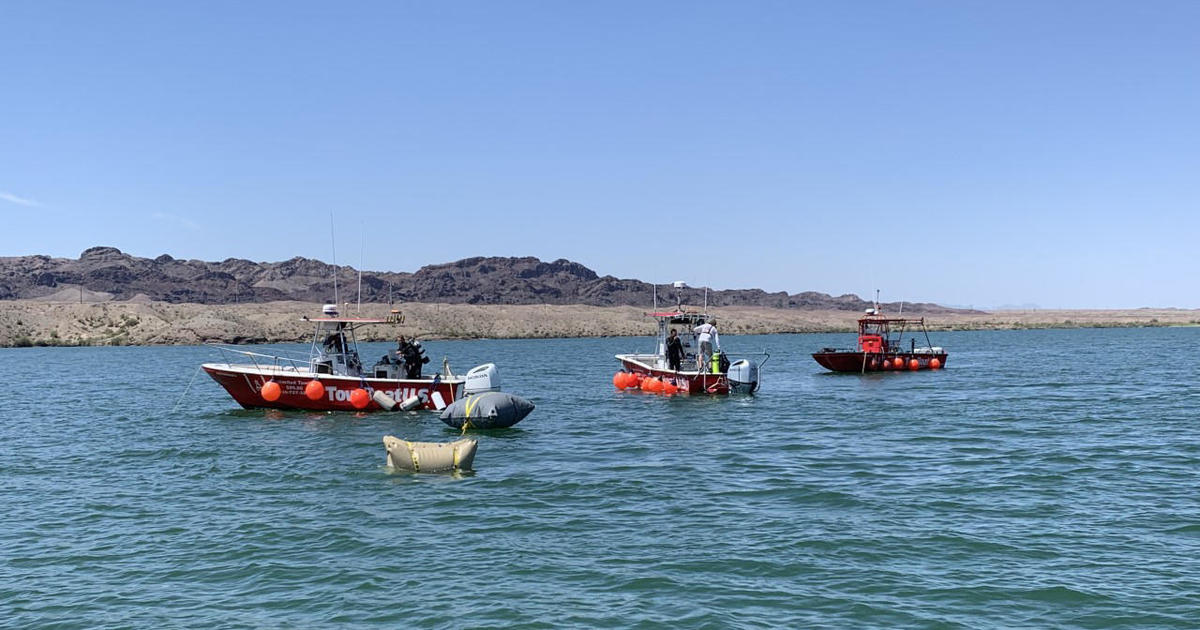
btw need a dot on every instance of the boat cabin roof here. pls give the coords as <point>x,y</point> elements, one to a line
<point>873,319</point>
<point>346,320</point>
<point>680,317</point>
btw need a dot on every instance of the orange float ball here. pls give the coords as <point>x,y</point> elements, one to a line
<point>874,364</point>
<point>914,364</point>
<point>934,363</point>
<point>898,364</point>
<point>645,384</point>
<point>619,380</point>
<point>314,390</point>
<point>359,398</point>
<point>270,391</point>
<point>669,388</point>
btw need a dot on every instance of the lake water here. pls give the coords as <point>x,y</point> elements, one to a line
<point>1045,479</point>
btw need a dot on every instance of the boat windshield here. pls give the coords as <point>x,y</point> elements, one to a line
<point>334,349</point>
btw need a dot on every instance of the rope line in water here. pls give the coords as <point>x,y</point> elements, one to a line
<point>185,390</point>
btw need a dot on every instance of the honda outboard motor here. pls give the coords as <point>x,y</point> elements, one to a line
<point>743,376</point>
<point>484,378</point>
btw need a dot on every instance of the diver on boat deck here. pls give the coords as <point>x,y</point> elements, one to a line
<point>708,339</point>
<point>414,358</point>
<point>335,343</point>
<point>674,351</point>
<point>397,356</point>
<point>393,356</point>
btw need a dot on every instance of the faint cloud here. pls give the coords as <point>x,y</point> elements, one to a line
<point>20,201</point>
<point>182,222</point>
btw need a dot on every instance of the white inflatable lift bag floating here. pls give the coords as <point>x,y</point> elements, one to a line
<point>430,456</point>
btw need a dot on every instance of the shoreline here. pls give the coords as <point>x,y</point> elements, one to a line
<point>25,323</point>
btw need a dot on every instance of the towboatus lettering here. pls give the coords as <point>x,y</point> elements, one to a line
<point>404,393</point>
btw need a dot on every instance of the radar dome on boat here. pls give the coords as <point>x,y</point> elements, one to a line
<point>329,310</point>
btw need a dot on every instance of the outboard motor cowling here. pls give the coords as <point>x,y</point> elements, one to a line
<point>743,376</point>
<point>483,378</point>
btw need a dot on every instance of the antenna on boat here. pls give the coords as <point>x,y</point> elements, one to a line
<point>360,265</point>
<point>333,249</point>
<point>655,289</point>
<point>705,299</point>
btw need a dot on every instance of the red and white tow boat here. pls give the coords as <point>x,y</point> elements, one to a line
<point>881,347</point>
<point>332,377</point>
<point>722,374</point>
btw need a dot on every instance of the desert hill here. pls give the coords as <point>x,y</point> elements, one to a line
<point>102,274</point>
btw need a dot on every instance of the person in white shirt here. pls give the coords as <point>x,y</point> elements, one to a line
<point>707,337</point>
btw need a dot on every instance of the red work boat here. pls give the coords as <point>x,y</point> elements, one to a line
<point>881,347</point>
<point>332,377</point>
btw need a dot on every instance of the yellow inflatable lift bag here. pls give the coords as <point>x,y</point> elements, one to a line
<point>430,456</point>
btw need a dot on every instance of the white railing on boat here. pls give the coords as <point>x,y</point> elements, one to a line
<point>274,362</point>
<point>651,360</point>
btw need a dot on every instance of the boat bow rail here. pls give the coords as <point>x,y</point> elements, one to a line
<point>299,362</point>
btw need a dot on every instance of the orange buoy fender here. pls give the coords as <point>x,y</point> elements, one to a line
<point>898,364</point>
<point>270,391</point>
<point>914,364</point>
<point>619,380</point>
<point>314,390</point>
<point>669,388</point>
<point>934,363</point>
<point>359,398</point>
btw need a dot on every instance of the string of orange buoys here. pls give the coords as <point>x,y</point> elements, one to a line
<point>899,363</point>
<point>314,390</point>
<point>650,384</point>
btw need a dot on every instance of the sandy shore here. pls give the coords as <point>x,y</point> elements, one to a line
<point>25,323</point>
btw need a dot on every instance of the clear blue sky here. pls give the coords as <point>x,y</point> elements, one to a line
<point>969,153</point>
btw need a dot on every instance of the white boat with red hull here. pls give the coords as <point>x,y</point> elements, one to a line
<point>332,377</point>
<point>721,374</point>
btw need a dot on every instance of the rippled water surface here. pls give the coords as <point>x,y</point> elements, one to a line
<point>1045,479</point>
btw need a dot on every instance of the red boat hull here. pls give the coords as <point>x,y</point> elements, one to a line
<point>687,383</point>
<point>245,386</point>
<point>851,361</point>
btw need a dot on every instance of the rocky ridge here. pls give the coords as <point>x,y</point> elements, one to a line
<point>103,274</point>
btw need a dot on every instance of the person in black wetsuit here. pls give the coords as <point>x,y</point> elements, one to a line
<point>335,343</point>
<point>414,358</point>
<point>674,351</point>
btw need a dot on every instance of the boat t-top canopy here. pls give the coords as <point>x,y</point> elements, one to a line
<point>680,317</point>
<point>346,320</point>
